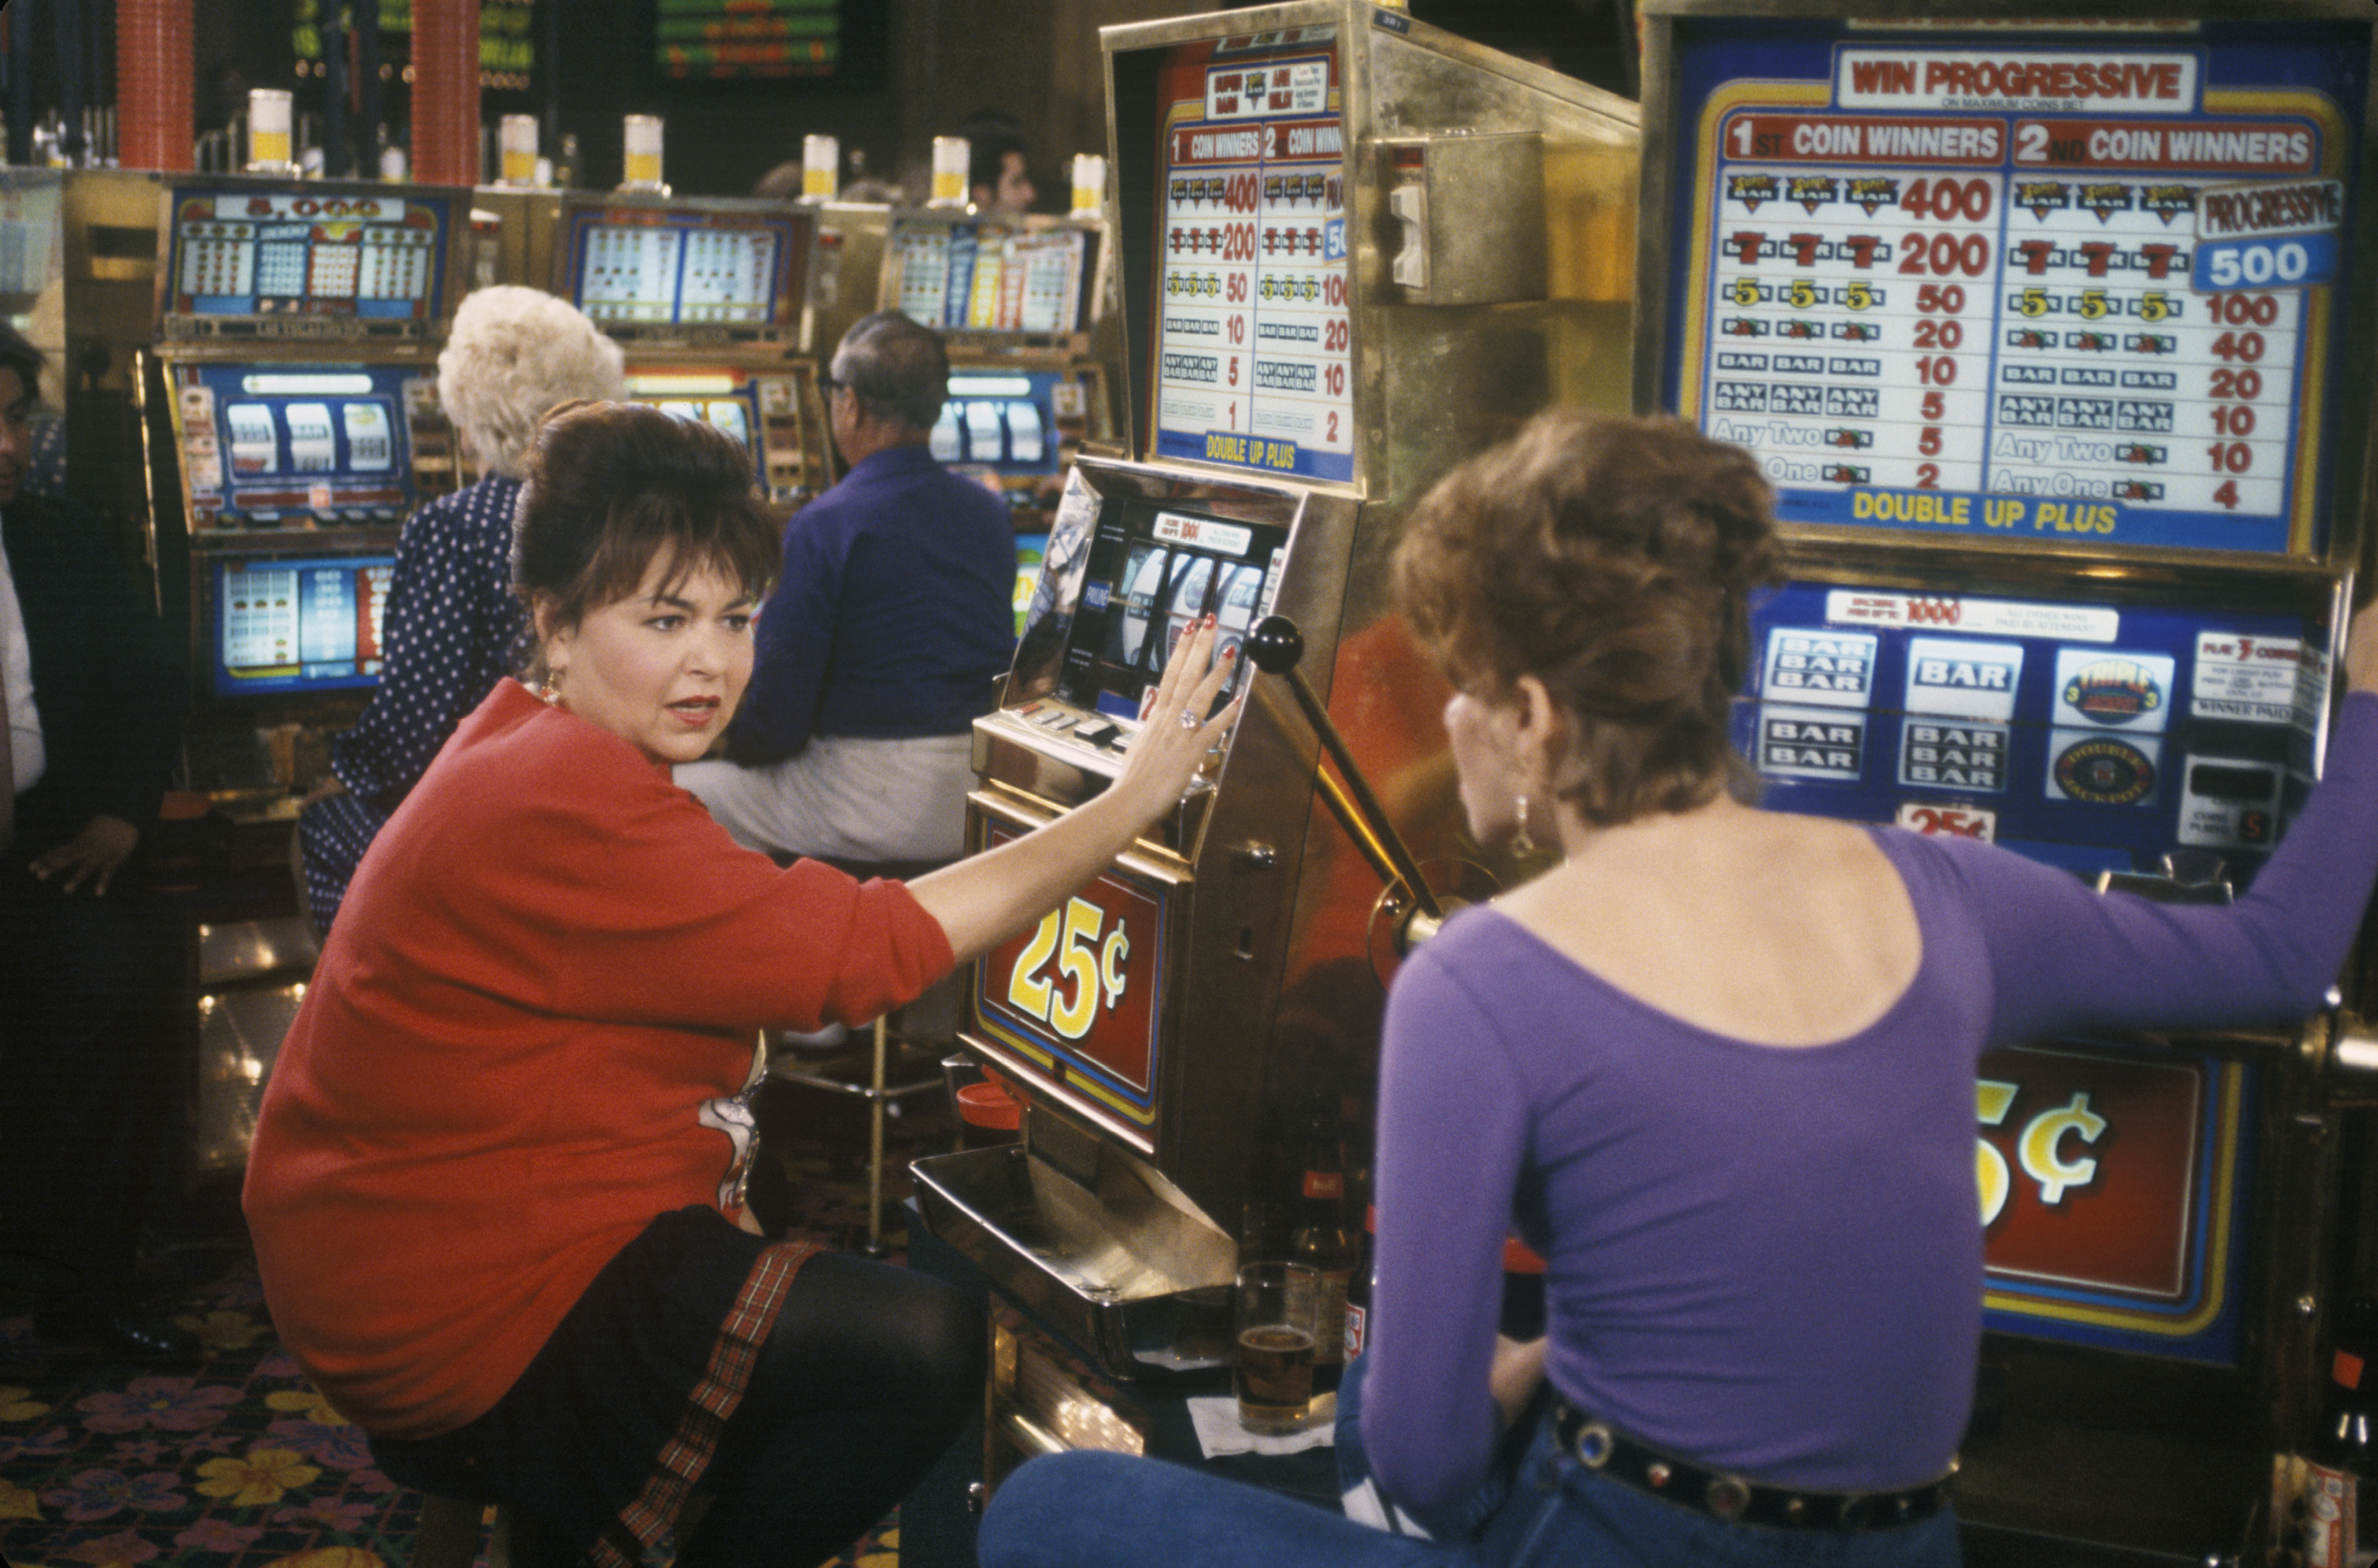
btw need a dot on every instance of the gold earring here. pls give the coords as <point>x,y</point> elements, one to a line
<point>549,689</point>
<point>1522,842</point>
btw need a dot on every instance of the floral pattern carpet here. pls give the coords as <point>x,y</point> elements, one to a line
<point>241,1464</point>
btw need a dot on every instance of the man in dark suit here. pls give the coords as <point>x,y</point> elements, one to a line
<point>90,708</point>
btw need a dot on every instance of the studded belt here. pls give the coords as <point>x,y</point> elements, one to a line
<point>1597,1446</point>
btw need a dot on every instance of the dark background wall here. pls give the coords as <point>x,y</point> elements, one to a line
<point>943,60</point>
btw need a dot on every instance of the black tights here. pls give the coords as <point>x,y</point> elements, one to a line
<point>868,1377</point>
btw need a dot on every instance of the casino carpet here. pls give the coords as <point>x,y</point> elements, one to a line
<point>241,1464</point>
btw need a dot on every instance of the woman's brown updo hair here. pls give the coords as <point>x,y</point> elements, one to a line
<point>1613,560</point>
<point>613,486</point>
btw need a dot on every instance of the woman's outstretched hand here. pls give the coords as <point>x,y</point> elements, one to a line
<point>987,897</point>
<point>1176,736</point>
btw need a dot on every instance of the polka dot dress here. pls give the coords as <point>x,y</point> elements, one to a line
<point>453,629</point>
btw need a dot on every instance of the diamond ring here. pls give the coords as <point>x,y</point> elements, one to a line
<point>1190,720</point>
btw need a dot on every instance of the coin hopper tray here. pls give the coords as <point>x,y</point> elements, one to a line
<point>1119,1262</point>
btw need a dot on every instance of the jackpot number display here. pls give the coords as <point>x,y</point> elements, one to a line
<point>1253,326</point>
<point>258,253</point>
<point>1994,322</point>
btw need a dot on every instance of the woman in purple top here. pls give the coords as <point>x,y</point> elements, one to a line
<point>1717,1066</point>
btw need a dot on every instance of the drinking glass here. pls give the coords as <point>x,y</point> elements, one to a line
<point>1272,1373</point>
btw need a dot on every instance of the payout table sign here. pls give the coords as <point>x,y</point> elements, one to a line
<point>2022,286</point>
<point>1250,319</point>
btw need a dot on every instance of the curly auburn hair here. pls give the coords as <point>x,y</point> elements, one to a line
<point>1613,559</point>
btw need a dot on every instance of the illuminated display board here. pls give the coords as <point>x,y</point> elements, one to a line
<point>989,277</point>
<point>2038,287</point>
<point>294,252</point>
<point>309,624</point>
<point>662,266</point>
<point>1247,293</point>
<point>738,40</point>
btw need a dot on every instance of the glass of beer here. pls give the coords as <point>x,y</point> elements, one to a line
<point>1273,1372</point>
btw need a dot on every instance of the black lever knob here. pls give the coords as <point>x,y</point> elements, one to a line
<point>1275,645</point>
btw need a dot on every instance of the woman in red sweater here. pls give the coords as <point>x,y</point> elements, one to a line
<point>492,1183</point>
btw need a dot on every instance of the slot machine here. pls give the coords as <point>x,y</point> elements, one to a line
<point>1353,248</point>
<point>287,417</point>
<point>1019,304</point>
<point>292,424</point>
<point>2052,337</point>
<point>706,295</point>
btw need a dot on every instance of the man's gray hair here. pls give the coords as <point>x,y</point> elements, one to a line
<point>897,369</point>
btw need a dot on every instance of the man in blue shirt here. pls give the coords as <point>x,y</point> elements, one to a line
<point>880,643</point>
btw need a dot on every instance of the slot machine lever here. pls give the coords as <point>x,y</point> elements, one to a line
<point>1276,645</point>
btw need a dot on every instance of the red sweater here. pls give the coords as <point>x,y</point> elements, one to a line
<point>551,960</point>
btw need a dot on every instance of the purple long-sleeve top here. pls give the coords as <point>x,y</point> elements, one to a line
<point>1770,1260</point>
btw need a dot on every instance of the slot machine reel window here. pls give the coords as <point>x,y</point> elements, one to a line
<point>2097,736</point>
<point>1153,572</point>
<point>270,445</point>
<point>365,257</point>
<point>726,400</point>
<point>298,625</point>
<point>1004,425</point>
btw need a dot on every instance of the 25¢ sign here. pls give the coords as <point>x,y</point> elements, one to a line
<point>1078,996</point>
<point>1089,967</point>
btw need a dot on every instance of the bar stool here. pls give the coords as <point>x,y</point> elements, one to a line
<point>869,1075</point>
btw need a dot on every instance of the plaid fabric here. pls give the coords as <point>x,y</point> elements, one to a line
<point>678,1467</point>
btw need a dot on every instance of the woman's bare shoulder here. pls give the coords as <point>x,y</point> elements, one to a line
<point>1773,928</point>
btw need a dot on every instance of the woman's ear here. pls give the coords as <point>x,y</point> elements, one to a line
<point>552,636</point>
<point>1541,737</point>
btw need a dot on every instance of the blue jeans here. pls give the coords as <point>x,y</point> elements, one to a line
<point>1086,1510</point>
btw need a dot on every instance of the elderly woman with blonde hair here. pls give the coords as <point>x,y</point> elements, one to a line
<point>453,627</point>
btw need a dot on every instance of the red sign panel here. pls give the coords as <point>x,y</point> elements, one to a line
<point>2110,1188</point>
<point>2089,1169</point>
<point>1074,999</point>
